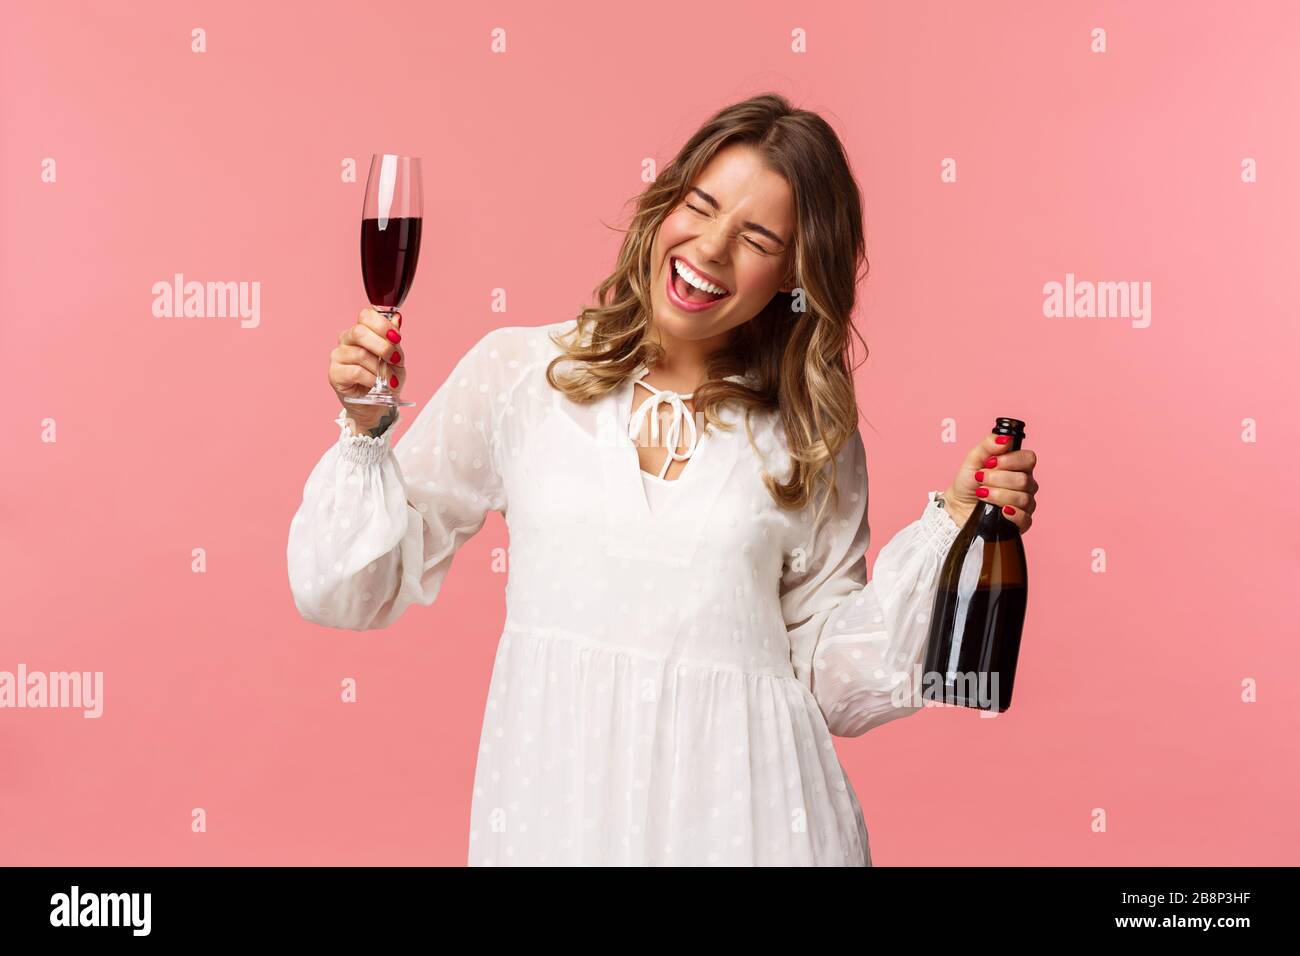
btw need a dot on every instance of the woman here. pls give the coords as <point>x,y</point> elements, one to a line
<point>689,619</point>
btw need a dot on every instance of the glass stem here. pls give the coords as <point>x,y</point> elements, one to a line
<point>381,385</point>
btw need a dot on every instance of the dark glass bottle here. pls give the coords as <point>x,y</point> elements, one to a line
<point>979,608</point>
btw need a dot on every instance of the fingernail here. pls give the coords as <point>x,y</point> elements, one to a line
<point>392,382</point>
<point>394,335</point>
<point>397,357</point>
<point>979,476</point>
<point>1009,510</point>
<point>982,492</point>
<point>1003,439</point>
<point>990,463</point>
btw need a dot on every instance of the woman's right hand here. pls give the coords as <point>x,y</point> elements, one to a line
<point>355,363</point>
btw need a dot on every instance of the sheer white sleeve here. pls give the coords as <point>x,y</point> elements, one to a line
<point>853,641</point>
<point>378,526</point>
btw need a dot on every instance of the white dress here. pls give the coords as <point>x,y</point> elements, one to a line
<point>674,661</point>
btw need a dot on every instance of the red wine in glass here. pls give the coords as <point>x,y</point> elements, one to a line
<point>389,253</point>
<point>390,248</point>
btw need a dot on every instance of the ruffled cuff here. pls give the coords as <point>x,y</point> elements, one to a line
<point>940,530</point>
<point>360,449</point>
<point>875,640</point>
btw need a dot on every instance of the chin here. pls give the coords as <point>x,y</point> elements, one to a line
<point>684,327</point>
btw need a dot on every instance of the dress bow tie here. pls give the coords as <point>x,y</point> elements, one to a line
<point>680,413</point>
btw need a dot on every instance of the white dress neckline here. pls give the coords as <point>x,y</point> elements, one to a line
<point>682,418</point>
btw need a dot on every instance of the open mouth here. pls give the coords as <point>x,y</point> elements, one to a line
<point>691,288</point>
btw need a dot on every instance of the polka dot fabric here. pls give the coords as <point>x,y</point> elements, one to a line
<point>672,668</point>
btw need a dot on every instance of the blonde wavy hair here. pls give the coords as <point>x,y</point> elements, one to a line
<point>797,349</point>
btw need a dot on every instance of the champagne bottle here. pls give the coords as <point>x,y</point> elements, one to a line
<point>979,607</point>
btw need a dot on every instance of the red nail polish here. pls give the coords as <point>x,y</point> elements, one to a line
<point>392,382</point>
<point>394,335</point>
<point>979,476</point>
<point>982,492</point>
<point>1003,439</point>
<point>1009,510</point>
<point>990,463</point>
<point>396,358</point>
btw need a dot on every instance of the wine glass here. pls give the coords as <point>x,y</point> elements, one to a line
<point>390,248</point>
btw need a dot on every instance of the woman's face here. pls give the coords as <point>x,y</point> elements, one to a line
<point>735,229</point>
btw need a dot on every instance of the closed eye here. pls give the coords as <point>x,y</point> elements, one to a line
<point>747,239</point>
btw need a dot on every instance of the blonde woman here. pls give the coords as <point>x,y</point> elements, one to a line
<point>689,619</point>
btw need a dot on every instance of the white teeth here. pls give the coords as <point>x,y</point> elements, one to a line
<point>689,275</point>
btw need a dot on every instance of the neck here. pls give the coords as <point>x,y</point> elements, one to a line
<point>685,360</point>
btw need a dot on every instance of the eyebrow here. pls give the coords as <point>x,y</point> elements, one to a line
<point>748,225</point>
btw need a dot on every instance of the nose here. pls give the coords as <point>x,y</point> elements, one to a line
<point>712,241</point>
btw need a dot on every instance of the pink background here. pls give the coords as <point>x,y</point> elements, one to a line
<point>176,434</point>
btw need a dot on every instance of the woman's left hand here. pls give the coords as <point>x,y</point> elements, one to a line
<point>992,474</point>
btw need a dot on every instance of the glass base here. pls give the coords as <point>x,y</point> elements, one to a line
<point>378,398</point>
